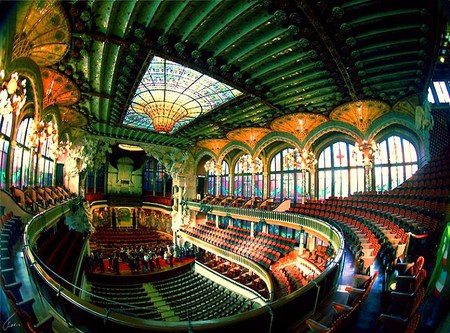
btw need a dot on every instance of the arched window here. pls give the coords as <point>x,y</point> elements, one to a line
<point>46,163</point>
<point>22,166</point>
<point>339,174</point>
<point>284,182</point>
<point>225,179</point>
<point>398,162</point>
<point>242,182</point>
<point>5,139</point>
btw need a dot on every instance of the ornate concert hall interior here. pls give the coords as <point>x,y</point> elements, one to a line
<point>217,166</point>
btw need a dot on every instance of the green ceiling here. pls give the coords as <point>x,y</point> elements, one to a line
<point>285,56</point>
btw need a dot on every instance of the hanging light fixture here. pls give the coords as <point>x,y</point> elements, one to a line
<point>366,152</point>
<point>213,167</point>
<point>41,131</point>
<point>304,161</point>
<point>13,94</point>
<point>250,165</point>
<point>64,147</point>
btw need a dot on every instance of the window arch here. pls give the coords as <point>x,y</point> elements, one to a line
<point>285,183</point>
<point>22,164</point>
<point>338,173</point>
<point>397,162</point>
<point>5,139</point>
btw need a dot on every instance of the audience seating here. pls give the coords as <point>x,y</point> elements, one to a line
<point>130,299</point>
<point>264,249</point>
<point>402,315</point>
<point>11,228</point>
<point>194,297</point>
<point>344,312</point>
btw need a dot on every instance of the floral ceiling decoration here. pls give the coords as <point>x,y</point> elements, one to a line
<point>58,89</point>
<point>250,135</point>
<point>298,124</point>
<point>214,145</point>
<point>171,96</point>
<point>44,35</point>
<point>360,114</point>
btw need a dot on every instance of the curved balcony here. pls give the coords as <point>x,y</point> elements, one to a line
<point>274,316</point>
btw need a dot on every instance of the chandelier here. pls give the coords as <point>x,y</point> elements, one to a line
<point>250,165</point>
<point>304,161</point>
<point>64,148</point>
<point>165,115</point>
<point>366,152</point>
<point>213,167</point>
<point>13,94</point>
<point>42,131</point>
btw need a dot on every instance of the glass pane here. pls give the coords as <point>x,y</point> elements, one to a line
<point>6,122</point>
<point>430,96</point>
<point>340,154</point>
<point>441,91</point>
<point>4,148</point>
<point>395,150</point>
<point>171,95</point>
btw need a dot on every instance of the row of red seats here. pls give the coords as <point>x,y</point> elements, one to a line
<point>402,314</point>
<point>343,313</point>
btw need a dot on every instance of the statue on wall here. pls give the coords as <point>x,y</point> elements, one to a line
<point>424,119</point>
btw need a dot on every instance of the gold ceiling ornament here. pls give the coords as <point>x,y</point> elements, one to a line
<point>215,145</point>
<point>360,114</point>
<point>298,124</point>
<point>13,94</point>
<point>213,167</point>
<point>250,164</point>
<point>165,115</point>
<point>58,89</point>
<point>44,35</point>
<point>250,135</point>
<point>71,118</point>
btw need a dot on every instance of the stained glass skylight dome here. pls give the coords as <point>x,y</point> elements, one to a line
<point>170,96</point>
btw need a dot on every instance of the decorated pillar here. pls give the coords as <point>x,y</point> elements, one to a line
<point>265,184</point>
<point>252,229</point>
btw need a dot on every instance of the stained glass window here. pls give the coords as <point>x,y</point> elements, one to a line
<point>242,182</point>
<point>5,138</point>
<point>211,183</point>
<point>22,155</point>
<point>398,162</point>
<point>225,179</point>
<point>285,183</point>
<point>46,164</point>
<point>171,95</point>
<point>338,173</point>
